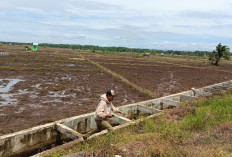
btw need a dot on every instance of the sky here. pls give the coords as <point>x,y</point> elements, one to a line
<point>154,24</point>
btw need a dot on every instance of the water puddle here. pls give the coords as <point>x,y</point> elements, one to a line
<point>86,99</point>
<point>4,53</point>
<point>7,99</point>
<point>37,86</point>
<point>60,94</point>
<point>81,59</point>
<point>71,65</point>
<point>5,87</point>
<point>68,65</point>
<point>66,78</point>
<point>36,106</point>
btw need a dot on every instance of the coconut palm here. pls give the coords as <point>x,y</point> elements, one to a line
<point>221,51</point>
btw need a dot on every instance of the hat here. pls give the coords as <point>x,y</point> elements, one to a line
<point>110,93</point>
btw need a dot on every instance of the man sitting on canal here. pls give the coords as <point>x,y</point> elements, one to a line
<point>103,112</point>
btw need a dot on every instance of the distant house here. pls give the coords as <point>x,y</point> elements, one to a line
<point>35,46</point>
<point>162,54</point>
<point>146,54</point>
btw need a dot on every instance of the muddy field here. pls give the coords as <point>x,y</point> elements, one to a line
<point>38,88</point>
<point>165,77</point>
<point>52,84</point>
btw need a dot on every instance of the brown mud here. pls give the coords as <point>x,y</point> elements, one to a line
<point>46,95</point>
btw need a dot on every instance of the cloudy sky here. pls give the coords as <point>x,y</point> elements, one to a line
<point>156,24</point>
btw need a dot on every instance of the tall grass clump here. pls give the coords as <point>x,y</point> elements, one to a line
<point>210,112</point>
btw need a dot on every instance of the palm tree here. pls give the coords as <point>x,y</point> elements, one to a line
<point>221,51</point>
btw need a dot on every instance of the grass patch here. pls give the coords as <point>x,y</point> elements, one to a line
<point>58,154</point>
<point>205,129</point>
<point>211,112</point>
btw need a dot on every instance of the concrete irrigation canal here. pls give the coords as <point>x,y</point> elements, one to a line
<point>38,139</point>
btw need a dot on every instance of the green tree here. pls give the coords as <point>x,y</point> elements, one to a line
<point>222,51</point>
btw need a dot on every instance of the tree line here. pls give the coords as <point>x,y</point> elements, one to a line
<point>116,49</point>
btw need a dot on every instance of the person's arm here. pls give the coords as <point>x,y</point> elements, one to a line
<point>115,109</point>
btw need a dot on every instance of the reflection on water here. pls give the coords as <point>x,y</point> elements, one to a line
<point>5,87</point>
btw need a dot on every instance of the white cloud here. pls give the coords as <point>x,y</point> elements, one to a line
<point>134,23</point>
<point>166,45</point>
<point>32,10</point>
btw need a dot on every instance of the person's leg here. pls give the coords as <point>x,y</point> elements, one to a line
<point>106,125</point>
<point>96,130</point>
<point>90,133</point>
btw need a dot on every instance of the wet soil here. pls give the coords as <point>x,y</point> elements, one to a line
<point>48,95</point>
<point>166,80</point>
<point>164,77</point>
<point>59,83</point>
<point>155,61</point>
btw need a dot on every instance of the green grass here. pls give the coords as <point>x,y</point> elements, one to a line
<point>58,154</point>
<point>199,131</point>
<point>211,112</point>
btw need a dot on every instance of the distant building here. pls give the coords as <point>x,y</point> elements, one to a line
<point>146,54</point>
<point>162,54</point>
<point>35,46</point>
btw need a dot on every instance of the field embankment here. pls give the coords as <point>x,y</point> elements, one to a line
<point>202,128</point>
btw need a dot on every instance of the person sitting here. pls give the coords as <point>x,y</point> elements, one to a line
<point>103,113</point>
